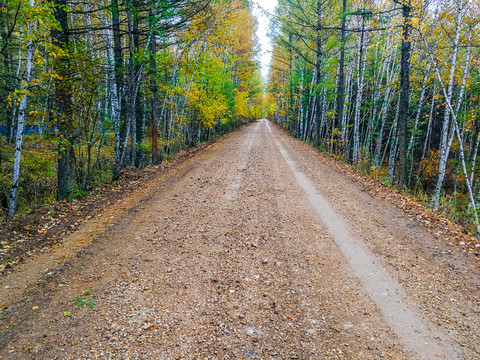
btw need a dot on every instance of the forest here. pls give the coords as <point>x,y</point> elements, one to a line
<point>391,87</point>
<point>89,88</point>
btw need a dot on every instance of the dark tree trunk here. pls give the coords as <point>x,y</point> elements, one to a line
<point>139,123</point>
<point>318,70</point>
<point>341,71</point>
<point>140,130</point>
<point>9,114</point>
<point>153,83</point>
<point>137,128</point>
<point>63,106</point>
<point>117,52</point>
<point>290,123</point>
<point>404,96</point>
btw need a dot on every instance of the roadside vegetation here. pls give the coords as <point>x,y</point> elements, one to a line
<point>91,87</point>
<point>391,87</point>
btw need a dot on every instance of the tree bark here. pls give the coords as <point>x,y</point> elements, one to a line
<point>429,128</point>
<point>411,143</point>
<point>63,99</point>
<point>317,104</point>
<point>358,102</point>
<point>394,143</point>
<point>401,177</point>
<point>448,96</point>
<point>118,65</point>
<point>152,46</point>
<point>391,79</point>
<point>341,70</point>
<point>444,149</point>
<point>21,120</point>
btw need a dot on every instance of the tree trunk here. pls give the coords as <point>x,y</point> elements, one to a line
<point>346,117</point>
<point>391,79</point>
<point>21,120</point>
<point>444,149</point>
<point>341,70</point>
<point>152,46</point>
<point>300,106</point>
<point>429,127</point>
<point>358,102</point>
<point>137,128</point>
<point>15,109</point>
<point>128,154</point>
<point>63,98</point>
<point>394,144</point>
<point>118,64</point>
<point>448,96</point>
<point>411,143</point>
<point>317,113</point>
<point>404,95</point>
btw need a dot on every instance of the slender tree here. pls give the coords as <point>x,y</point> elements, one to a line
<point>401,177</point>
<point>23,93</point>
<point>63,102</point>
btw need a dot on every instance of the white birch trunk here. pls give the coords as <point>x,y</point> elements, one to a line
<point>452,112</point>
<point>347,116</point>
<point>300,106</point>
<point>392,76</point>
<point>21,119</point>
<point>394,144</point>
<point>429,128</point>
<point>115,104</point>
<point>358,104</point>
<point>474,158</point>
<point>419,110</point>
<point>444,148</point>
<point>15,108</point>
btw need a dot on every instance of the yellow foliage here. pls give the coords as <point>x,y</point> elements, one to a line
<point>241,104</point>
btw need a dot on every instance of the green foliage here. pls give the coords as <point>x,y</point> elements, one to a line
<point>79,193</point>
<point>207,83</point>
<point>369,127</point>
<point>85,300</point>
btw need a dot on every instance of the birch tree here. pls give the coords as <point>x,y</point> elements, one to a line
<point>23,93</point>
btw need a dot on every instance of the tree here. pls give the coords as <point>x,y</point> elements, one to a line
<point>369,90</point>
<point>404,91</point>
<point>23,93</point>
<point>63,102</point>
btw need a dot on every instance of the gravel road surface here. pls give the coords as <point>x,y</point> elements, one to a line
<point>256,248</point>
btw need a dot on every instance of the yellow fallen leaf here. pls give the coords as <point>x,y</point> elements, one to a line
<point>35,308</point>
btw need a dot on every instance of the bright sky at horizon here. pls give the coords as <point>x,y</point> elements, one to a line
<point>263,24</point>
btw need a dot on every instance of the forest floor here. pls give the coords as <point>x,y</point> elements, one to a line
<point>254,247</point>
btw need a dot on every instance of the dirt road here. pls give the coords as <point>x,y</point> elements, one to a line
<point>254,249</point>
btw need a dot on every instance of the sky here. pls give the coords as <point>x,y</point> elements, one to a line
<point>263,22</point>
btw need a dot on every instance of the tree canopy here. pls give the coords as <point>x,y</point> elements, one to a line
<point>90,87</point>
<point>390,86</point>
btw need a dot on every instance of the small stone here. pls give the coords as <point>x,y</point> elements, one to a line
<point>440,354</point>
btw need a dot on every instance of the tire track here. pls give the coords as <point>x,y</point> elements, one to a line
<point>417,334</point>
